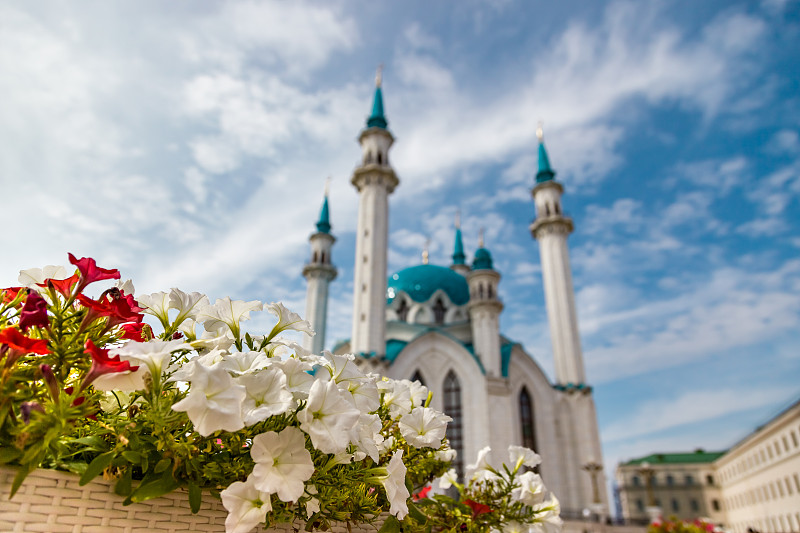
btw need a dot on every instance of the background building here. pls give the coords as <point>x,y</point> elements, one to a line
<point>440,325</point>
<point>680,484</point>
<point>754,485</point>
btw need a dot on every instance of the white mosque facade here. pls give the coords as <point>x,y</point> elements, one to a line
<point>440,325</point>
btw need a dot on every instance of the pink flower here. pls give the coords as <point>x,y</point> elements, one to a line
<point>90,272</point>
<point>34,312</point>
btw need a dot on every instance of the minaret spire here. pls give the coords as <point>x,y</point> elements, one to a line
<point>551,228</point>
<point>459,259</point>
<point>375,180</point>
<point>425,252</point>
<point>319,272</point>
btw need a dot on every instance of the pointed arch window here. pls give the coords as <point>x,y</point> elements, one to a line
<point>417,376</point>
<point>439,309</point>
<point>526,419</point>
<point>314,257</point>
<point>322,257</point>
<point>380,159</point>
<point>490,291</point>
<point>402,310</point>
<point>452,408</point>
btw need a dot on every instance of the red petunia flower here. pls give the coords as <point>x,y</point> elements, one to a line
<point>139,332</point>
<point>103,364</point>
<point>9,293</point>
<point>64,286</point>
<point>90,272</point>
<point>15,344</point>
<point>34,312</point>
<point>478,508</point>
<point>118,307</point>
<point>422,494</point>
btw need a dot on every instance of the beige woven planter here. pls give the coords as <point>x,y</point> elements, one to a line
<point>53,502</point>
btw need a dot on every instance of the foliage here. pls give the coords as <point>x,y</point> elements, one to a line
<point>673,525</point>
<point>279,433</point>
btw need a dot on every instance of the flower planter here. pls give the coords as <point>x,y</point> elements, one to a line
<point>50,501</point>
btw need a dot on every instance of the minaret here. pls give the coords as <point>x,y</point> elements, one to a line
<point>551,229</point>
<point>319,272</point>
<point>580,437</point>
<point>484,310</point>
<point>375,180</point>
<point>459,259</point>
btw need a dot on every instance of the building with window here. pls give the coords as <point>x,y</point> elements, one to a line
<point>439,324</point>
<point>680,484</point>
<point>753,486</point>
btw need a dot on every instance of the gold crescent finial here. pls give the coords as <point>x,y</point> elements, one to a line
<point>379,75</point>
<point>458,218</point>
<point>539,131</point>
<point>480,238</point>
<point>327,186</point>
<point>425,252</point>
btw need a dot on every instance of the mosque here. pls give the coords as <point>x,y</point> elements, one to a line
<point>440,325</point>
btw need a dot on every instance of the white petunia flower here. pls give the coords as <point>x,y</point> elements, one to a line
<point>154,354</point>
<point>424,427</point>
<point>342,367</point>
<point>288,320</point>
<point>156,304</point>
<point>513,526</point>
<point>187,305</point>
<point>226,312</point>
<point>328,417</point>
<point>547,516</point>
<point>33,276</point>
<point>531,489</point>
<point>312,505</point>
<point>397,397</point>
<point>128,381</point>
<point>395,485</point>
<point>480,469</point>
<point>126,287</point>
<point>417,391</point>
<point>283,464</point>
<point>448,479</point>
<point>366,435</point>
<point>246,505</point>
<point>446,455</point>
<point>520,455</point>
<point>213,340</point>
<point>298,379</point>
<point>214,401</point>
<point>267,395</point>
<point>239,363</point>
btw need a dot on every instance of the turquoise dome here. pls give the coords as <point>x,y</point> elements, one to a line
<point>421,281</point>
<point>483,259</point>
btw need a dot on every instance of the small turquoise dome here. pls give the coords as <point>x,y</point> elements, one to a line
<point>483,259</point>
<point>421,281</point>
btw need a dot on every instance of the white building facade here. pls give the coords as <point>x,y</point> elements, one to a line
<point>440,325</point>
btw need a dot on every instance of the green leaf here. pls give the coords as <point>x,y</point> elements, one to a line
<point>19,478</point>
<point>391,525</point>
<point>123,486</point>
<point>195,497</point>
<point>100,463</point>
<point>93,442</point>
<point>162,465</point>
<point>132,457</point>
<point>154,488</point>
<point>9,454</point>
<point>416,514</point>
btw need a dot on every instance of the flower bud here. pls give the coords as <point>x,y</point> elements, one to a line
<point>26,408</point>
<point>50,381</point>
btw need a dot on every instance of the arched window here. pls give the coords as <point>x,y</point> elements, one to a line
<point>380,159</point>
<point>418,377</point>
<point>438,311</point>
<point>402,311</point>
<point>489,290</point>
<point>547,210</point>
<point>526,419</point>
<point>322,257</point>
<point>452,408</point>
<point>314,257</point>
<point>480,291</point>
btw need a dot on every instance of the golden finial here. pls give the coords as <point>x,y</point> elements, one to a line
<point>480,238</point>
<point>425,252</point>
<point>327,186</point>
<point>458,218</point>
<point>539,131</point>
<point>379,75</point>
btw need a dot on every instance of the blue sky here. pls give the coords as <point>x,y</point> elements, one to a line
<point>188,145</point>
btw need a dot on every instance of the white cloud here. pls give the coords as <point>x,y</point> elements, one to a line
<point>654,416</point>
